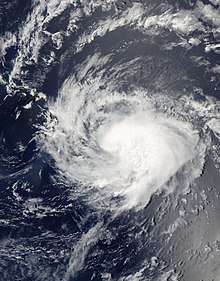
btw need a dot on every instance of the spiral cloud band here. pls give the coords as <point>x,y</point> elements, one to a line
<point>120,148</point>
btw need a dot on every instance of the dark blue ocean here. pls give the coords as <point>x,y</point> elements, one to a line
<point>109,140</point>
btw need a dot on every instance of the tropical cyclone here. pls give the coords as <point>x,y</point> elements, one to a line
<point>110,140</point>
<point>121,144</point>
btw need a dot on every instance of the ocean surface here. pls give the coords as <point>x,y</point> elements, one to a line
<point>109,140</point>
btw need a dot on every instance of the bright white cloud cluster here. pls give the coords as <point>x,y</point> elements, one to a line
<point>118,144</point>
<point>147,150</point>
<point>86,143</point>
<point>182,22</point>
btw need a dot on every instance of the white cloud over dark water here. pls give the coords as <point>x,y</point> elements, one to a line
<point>120,143</point>
<point>121,148</point>
<point>123,184</point>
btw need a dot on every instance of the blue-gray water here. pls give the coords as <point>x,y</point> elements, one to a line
<point>109,145</point>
